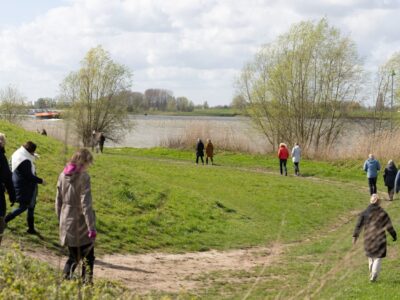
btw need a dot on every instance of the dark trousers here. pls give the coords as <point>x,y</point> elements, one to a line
<point>30,217</point>
<point>372,185</point>
<point>282,165</point>
<point>296,168</point>
<point>76,254</point>
<point>207,157</point>
<point>197,159</point>
<point>3,208</point>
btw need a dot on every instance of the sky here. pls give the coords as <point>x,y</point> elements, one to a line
<point>194,48</point>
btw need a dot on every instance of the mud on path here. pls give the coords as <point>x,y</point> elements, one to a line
<point>144,273</point>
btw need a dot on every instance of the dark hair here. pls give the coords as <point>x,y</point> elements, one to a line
<point>30,147</point>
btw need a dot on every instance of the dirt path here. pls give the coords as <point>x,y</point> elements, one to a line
<point>170,272</point>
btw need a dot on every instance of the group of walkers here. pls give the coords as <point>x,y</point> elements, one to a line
<point>73,202</point>
<point>200,151</point>
<point>283,155</point>
<point>374,219</point>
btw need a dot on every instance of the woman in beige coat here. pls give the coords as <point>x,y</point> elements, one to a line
<point>75,214</point>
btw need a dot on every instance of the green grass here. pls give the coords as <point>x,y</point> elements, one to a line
<point>157,199</point>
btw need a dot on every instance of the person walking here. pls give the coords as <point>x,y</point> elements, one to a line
<point>283,154</point>
<point>389,177</point>
<point>199,151</point>
<point>296,155</point>
<point>102,139</point>
<point>5,184</point>
<point>372,166</point>
<point>209,151</point>
<point>375,222</point>
<point>76,216</point>
<point>25,183</point>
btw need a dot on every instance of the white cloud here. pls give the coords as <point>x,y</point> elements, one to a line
<point>194,48</point>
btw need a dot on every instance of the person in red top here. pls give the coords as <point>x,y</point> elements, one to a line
<point>283,154</point>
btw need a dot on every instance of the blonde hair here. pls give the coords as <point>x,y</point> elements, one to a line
<point>82,157</point>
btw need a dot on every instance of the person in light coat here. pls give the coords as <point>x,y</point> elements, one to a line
<point>76,215</point>
<point>375,222</point>
<point>296,155</point>
<point>372,166</point>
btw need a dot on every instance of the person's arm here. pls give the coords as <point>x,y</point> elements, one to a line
<point>59,199</point>
<point>358,228</point>
<point>397,183</point>
<point>365,167</point>
<point>25,169</point>
<point>389,228</point>
<point>378,167</point>
<point>86,203</point>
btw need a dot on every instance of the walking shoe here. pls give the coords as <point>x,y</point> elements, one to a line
<point>31,231</point>
<point>373,278</point>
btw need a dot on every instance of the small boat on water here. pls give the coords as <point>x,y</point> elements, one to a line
<point>47,115</point>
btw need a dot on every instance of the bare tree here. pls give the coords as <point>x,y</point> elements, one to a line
<point>96,92</point>
<point>296,87</point>
<point>12,104</point>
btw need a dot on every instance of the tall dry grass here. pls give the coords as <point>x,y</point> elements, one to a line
<point>230,138</point>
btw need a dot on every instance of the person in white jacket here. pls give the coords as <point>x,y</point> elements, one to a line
<point>296,155</point>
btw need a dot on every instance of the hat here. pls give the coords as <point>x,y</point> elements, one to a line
<point>374,199</point>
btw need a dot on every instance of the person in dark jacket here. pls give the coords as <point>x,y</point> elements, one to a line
<point>199,151</point>
<point>375,222</point>
<point>389,177</point>
<point>5,184</point>
<point>102,139</point>
<point>25,183</point>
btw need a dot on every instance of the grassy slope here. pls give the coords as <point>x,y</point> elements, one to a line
<point>158,199</point>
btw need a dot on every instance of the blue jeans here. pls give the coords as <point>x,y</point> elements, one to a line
<point>23,207</point>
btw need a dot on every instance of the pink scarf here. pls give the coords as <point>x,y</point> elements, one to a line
<point>71,169</point>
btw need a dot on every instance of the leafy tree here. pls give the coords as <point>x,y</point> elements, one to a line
<point>238,102</point>
<point>96,94</point>
<point>11,104</point>
<point>297,85</point>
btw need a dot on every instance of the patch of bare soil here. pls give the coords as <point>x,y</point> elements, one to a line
<point>144,273</point>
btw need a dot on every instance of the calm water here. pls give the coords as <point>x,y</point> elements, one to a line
<point>152,131</point>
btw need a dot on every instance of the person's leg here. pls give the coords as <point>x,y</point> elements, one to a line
<point>280,166</point>
<point>31,220</point>
<point>296,168</point>
<point>71,263</point>
<point>88,263</point>
<point>284,164</point>
<point>16,212</point>
<point>197,159</point>
<point>3,209</point>
<point>371,186</point>
<point>202,161</point>
<point>374,185</point>
<point>206,160</point>
<point>212,161</point>
<point>375,268</point>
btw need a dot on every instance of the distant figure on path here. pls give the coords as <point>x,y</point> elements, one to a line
<point>76,215</point>
<point>389,176</point>
<point>199,151</point>
<point>209,151</point>
<point>101,139</point>
<point>94,139</point>
<point>372,166</point>
<point>5,184</point>
<point>296,156</point>
<point>375,221</point>
<point>283,154</point>
<point>25,183</point>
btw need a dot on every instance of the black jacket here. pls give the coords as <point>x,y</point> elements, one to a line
<point>25,182</point>
<point>200,148</point>
<point>375,222</point>
<point>6,177</point>
<point>389,175</point>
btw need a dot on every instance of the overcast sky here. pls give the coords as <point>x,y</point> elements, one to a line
<point>194,48</point>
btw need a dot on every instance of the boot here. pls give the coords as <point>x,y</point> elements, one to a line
<point>2,226</point>
<point>31,225</point>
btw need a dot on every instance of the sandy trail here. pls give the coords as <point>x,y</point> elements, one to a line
<point>144,273</point>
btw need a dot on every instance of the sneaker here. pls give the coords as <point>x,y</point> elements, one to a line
<point>31,231</point>
<point>373,278</point>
